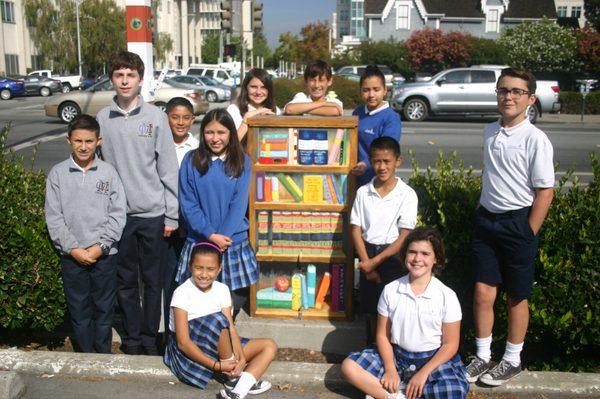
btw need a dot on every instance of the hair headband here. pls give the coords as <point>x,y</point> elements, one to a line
<point>207,244</point>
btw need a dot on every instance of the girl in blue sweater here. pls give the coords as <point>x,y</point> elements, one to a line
<point>375,119</point>
<point>214,181</point>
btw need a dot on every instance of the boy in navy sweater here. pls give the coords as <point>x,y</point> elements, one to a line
<point>85,215</point>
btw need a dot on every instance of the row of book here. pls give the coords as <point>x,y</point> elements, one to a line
<point>297,188</point>
<point>318,233</point>
<point>306,293</point>
<point>302,147</point>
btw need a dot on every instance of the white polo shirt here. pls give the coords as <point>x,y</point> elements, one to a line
<point>516,161</point>
<point>302,98</point>
<point>381,219</point>
<point>198,303</point>
<point>417,320</point>
<point>234,112</point>
<point>191,143</point>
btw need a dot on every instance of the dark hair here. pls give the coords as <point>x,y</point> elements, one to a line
<point>521,74</point>
<point>205,248</point>
<point>431,236</point>
<point>372,71</point>
<point>84,122</point>
<point>385,143</point>
<point>179,102</point>
<point>125,59</point>
<point>236,157</point>
<point>317,68</point>
<point>265,78</point>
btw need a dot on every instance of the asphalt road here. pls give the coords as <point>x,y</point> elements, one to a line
<point>572,141</point>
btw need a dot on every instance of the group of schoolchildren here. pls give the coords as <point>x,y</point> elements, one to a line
<point>164,208</point>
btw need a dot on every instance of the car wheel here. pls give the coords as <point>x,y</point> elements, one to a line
<point>66,88</point>
<point>45,91</point>
<point>533,113</point>
<point>211,97</point>
<point>5,94</point>
<point>415,110</point>
<point>162,106</point>
<point>68,111</point>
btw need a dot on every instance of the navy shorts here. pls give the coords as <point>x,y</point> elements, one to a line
<point>504,251</point>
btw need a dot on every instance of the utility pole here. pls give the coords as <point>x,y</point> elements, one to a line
<point>79,63</point>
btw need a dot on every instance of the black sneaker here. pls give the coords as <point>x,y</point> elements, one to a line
<point>501,373</point>
<point>227,394</point>
<point>476,368</point>
<point>259,387</point>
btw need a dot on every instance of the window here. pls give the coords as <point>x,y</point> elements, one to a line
<point>402,16</point>
<point>483,77</point>
<point>456,77</point>
<point>12,64</point>
<point>222,75</point>
<point>343,15</point>
<point>37,62</point>
<point>195,71</point>
<point>8,11</point>
<point>491,23</point>
<point>576,12</point>
<point>561,11</point>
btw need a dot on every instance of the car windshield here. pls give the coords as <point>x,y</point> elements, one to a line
<point>209,81</point>
<point>101,86</point>
<point>174,83</point>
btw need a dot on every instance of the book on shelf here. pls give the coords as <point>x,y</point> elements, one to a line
<point>260,186</point>
<point>322,290</point>
<point>291,186</point>
<point>331,190</point>
<point>311,284</point>
<point>313,188</point>
<point>296,292</point>
<point>337,287</point>
<point>335,151</point>
<point>268,194</point>
<point>304,291</point>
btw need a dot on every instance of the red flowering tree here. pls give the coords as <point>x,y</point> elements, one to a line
<point>431,50</point>
<point>588,49</point>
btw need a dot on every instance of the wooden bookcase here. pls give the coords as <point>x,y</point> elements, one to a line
<point>289,234</point>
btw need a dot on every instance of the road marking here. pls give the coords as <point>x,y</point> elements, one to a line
<point>30,107</point>
<point>31,143</point>
<point>479,171</point>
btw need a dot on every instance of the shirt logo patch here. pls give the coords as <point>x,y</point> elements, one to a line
<point>369,131</point>
<point>145,130</point>
<point>102,187</point>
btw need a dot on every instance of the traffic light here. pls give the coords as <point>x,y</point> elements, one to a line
<point>226,15</point>
<point>229,50</point>
<point>257,15</point>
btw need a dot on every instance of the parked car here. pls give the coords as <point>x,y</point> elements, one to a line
<point>359,69</point>
<point>10,88</point>
<point>214,90</point>
<point>222,75</point>
<point>349,75</point>
<point>465,91</point>
<point>91,101</point>
<point>68,82</point>
<point>39,85</point>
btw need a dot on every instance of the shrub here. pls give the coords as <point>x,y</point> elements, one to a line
<point>486,51</point>
<point>431,50</point>
<point>564,325</point>
<point>31,290</point>
<point>284,90</point>
<point>571,102</point>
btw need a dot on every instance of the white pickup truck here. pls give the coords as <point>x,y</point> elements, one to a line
<point>465,91</point>
<point>68,82</point>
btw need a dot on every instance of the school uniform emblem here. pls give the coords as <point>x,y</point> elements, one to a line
<point>102,187</point>
<point>145,130</point>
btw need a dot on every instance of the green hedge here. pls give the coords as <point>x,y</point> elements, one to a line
<point>347,91</point>
<point>571,102</point>
<point>31,290</point>
<point>564,327</point>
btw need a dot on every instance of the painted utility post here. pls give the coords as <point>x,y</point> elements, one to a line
<point>138,19</point>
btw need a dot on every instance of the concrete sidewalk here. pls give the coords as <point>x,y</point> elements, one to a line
<point>309,375</point>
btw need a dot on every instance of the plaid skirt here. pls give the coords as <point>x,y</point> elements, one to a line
<point>239,270</point>
<point>204,332</point>
<point>448,381</point>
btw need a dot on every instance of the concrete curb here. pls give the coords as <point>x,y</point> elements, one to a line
<point>121,367</point>
<point>11,385</point>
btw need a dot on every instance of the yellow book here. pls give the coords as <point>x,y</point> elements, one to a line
<point>313,188</point>
<point>296,292</point>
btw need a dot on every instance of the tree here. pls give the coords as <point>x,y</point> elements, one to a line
<point>163,44</point>
<point>314,43</point>
<point>287,49</point>
<point>592,13</point>
<point>260,47</point>
<point>588,50</point>
<point>387,52</point>
<point>487,51</point>
<point>54,32</point>
<point>431,50</point>
<point>541,46</point>
<point>210,48</point>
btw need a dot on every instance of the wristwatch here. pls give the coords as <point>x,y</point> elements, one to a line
<point>105,248</point>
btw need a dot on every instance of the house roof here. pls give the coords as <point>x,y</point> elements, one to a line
<point>472,8</point>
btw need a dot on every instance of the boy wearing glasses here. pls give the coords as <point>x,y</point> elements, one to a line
<point>517,190</point>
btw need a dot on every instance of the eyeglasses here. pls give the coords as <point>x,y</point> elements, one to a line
<point>514,93</point>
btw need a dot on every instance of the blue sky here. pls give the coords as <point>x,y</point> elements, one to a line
<point>281,16</point>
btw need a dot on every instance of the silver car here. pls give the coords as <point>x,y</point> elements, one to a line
<point>214,90</point>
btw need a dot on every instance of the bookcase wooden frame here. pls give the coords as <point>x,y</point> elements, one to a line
<point>347,259</point>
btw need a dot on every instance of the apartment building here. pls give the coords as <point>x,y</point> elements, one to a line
<point>571,9</point>
<point>17,52</point>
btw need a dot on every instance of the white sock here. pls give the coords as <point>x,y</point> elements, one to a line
<point>512,353</point>
<point>484,348</point>
<point>244,384</point>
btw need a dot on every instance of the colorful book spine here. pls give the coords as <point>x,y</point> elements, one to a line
<point>291,186</point>
<point>342,288</point>
<point>296,292</point>
<point>268,135</point>
<point>344,180</point>
<point>260,186</point>
<point>313,188</point>
<point>335,287</point>
<point>268,196</point>
<point>274,189</point>
<point>338,194</point>
<point>304,291</point>
<point>311,284</point>
<point>321,290</point>
<point>332,191</point>
<point>270,153</point>
<point>276,231</point>
<point>263,232</point>
<point>334,153</point>
<point>326,194</point>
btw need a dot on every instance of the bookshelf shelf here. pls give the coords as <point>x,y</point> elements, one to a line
<point>301,193</point>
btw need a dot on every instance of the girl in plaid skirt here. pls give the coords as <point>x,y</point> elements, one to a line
<point>214,181</point>
<point>203,339</point>
<point>418,332</point>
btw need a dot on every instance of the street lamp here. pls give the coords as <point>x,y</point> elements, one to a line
<point>77,3</point>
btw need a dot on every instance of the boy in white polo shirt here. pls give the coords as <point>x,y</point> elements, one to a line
<point>383,213</point>
<point>517,190</point>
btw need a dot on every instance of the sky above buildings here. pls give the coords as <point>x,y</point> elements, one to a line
<point>281,16</point>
